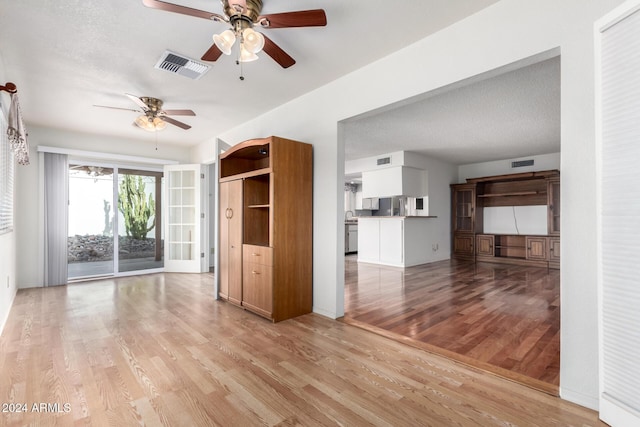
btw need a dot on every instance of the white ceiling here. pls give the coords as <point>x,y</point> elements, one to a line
<point>513,114</point>
<point>66,56</point>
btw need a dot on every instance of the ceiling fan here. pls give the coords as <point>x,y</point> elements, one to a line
<point>153,117</point>
<point>242,16</point>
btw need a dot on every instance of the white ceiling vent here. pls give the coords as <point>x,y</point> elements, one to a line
<point>383,161</point>
<point>180,64</point>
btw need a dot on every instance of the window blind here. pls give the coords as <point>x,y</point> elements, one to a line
<point>620,212</point>
<point>7,164</point>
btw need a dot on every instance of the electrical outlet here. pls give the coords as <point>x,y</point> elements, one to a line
<point>434,247</point>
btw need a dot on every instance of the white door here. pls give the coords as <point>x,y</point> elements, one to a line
<point>184,217</point>
<point>618,132</point>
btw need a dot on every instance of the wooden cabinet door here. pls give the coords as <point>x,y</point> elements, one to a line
<point>231,241</point>
<point>464,203</point>
<point>554,252</point>
<point>485,245</point>
<point>463,245</point>
<point>553,207</point>
<point>537,248</point>
<point>257,287</point>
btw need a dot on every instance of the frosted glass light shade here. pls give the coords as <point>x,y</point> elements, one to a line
<point>150,125</point>
<point>253,41</point>
<point>224,41</point>
<point>246,55</point>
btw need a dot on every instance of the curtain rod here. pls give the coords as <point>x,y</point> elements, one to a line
<point>9,87</point>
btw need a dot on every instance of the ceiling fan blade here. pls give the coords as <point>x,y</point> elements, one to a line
<point>116,108</point>
<point>303,18</point>
<point>178,113</point>
<point>170,7</point>
<point>212,54</point>
<point>276,52</point>
<point>175,122</point>
<point>138,101</point>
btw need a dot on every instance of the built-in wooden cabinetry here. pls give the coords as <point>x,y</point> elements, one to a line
<point>468,200</point>
<point>266,227</point>
<point>467,220</point>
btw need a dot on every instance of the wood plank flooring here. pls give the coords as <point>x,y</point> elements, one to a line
<point>159,350</point>
<point>502,318</point>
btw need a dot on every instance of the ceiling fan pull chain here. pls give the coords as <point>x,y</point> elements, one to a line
<point>238,61</point>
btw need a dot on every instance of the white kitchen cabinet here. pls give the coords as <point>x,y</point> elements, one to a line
<point>368,240</point>
<point>359,199</point>
<point>394,181</point>
<point>397,241</point>
<point>392,241</point>
<point>371,203</point>
<point>381,241</point>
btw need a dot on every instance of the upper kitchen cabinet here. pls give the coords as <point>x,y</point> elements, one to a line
<point>394,181</point>
<point>273,194</point>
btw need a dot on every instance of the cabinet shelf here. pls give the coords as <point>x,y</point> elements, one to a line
<point>515,193</point>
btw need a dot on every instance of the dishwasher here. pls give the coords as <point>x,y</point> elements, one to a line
<point>350,238</point>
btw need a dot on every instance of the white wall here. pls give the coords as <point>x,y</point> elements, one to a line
<point>502,34</point>
<point>541,162</point>
<point>28,199</point>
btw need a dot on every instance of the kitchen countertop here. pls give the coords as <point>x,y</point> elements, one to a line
<point>396,216</point>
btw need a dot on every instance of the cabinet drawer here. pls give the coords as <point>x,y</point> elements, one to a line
<point>257,290</point>
<point>258,254</point>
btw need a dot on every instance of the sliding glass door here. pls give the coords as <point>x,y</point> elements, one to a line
<point>115,221</point>
<point>90,239</point>
<point>140,244</point>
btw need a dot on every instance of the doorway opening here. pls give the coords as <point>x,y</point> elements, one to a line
<point>466,311</point>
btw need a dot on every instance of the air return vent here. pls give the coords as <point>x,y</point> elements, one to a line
<point>179,64</point>
<point>522,163</point>
<point>384,161</point>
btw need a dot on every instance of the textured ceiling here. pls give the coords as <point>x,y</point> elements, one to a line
<point>67,55</point>
<point>513,114</point>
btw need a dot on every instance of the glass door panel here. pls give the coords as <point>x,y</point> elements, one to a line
<point>140,242</point>
<point>183,218</point>
<point>90,236</point>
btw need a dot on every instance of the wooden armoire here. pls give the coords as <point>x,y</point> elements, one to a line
<point>266,227</point>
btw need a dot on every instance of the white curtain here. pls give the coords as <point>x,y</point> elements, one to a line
<point>56,202</point>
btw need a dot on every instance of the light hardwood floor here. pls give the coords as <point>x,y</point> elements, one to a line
<point>160,350</point>
<point>501,318</point>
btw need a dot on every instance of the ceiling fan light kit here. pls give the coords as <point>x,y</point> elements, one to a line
<point>242,16</point>
<point>153,117</point>
<point>150,124</point>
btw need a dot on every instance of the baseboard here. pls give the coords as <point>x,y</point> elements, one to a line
<point>580,399</point>
<point>3,321</point>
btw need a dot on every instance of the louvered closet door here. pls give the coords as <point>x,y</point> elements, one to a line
<point>618,107</point>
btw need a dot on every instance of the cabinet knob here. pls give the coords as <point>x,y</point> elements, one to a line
<point>255,272</point>
<point>254,254</point>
